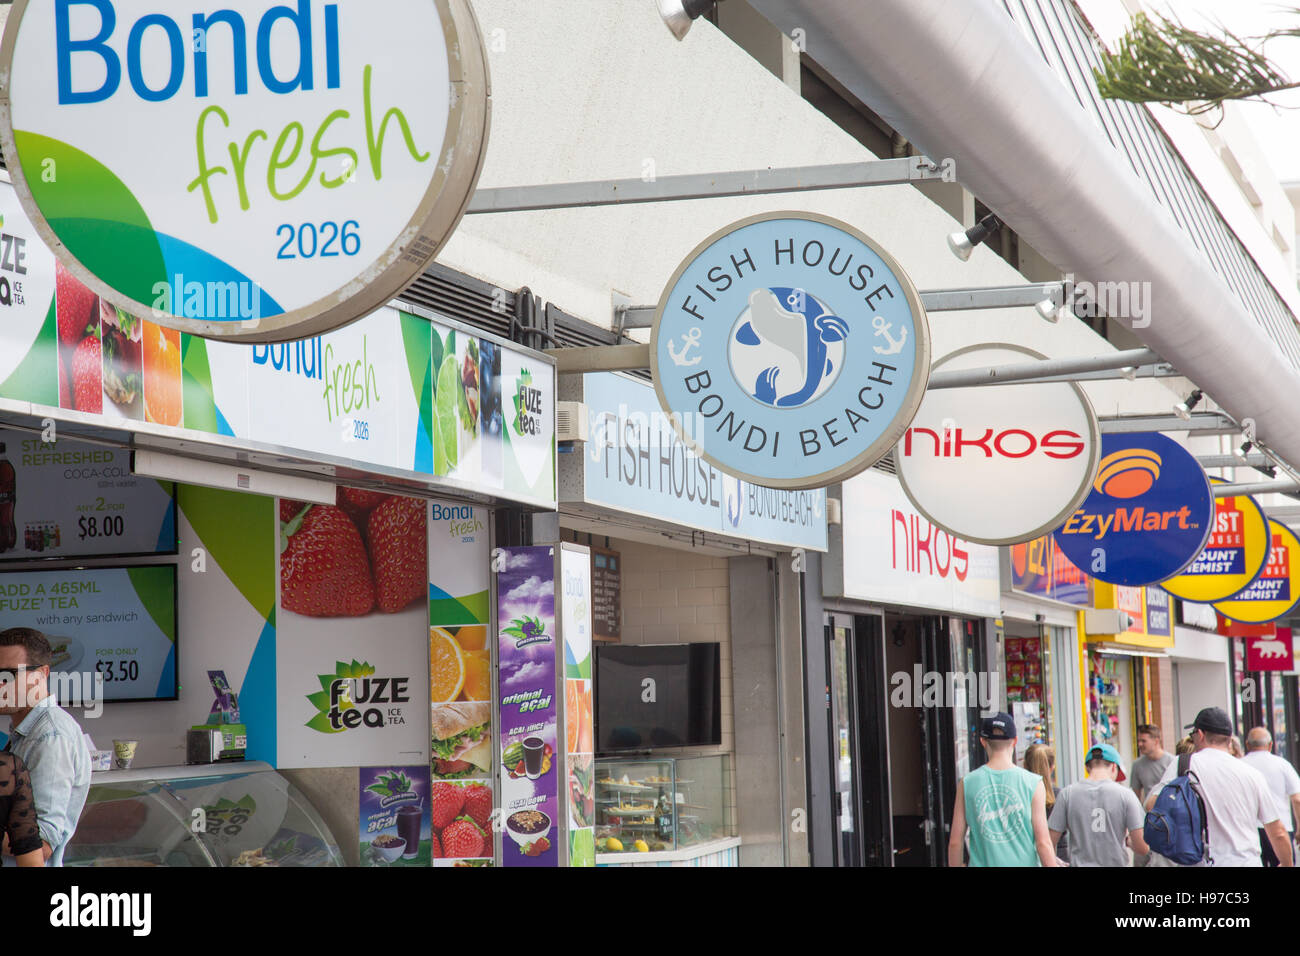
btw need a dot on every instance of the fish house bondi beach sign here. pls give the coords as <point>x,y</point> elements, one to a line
<point>790,350</point>
<point>244,170</point>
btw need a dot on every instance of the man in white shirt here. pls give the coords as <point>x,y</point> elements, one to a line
<point>1237,799</point>
<point>1283,782</point>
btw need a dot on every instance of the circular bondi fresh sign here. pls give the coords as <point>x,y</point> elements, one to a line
<point>250,170</point>
<point>790,350</point>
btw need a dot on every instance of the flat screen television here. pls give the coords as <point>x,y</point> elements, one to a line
<point>655,696</point>
<point>117,622</point>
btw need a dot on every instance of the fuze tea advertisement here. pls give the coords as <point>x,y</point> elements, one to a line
<point>394,818</point>
<point>118,624</point>
<point>352,631</point>
<point>71,499</point>
<point>530,765</point>
<point>316,154</point>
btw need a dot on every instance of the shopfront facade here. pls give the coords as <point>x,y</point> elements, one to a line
<point>183,484</point>
<point>694,562</point>
<point>909,641</point>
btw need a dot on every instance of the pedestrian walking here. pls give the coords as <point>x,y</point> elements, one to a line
<point>1098,814</point>
<point>1147,770</point>
<point>1237,799</point>
<point>1041,759</point>
<point>1283,783</point>
<point>45,736</point>
<point>21,838</point>
<point>1002,805</point>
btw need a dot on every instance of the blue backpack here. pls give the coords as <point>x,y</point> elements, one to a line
<point>1176,825</point>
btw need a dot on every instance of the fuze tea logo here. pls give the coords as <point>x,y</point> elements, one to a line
<point>13,266</point>
<point>1149,514</point>
<point>252,170</point>
<point>796,347</point>
<point>528,406</point>
<point>353,696</point>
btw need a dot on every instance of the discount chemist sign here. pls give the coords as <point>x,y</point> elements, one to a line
<point>244,170</point>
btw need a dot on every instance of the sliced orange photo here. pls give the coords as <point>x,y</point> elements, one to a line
<point>162,374</point>
<point>446,666</point>
<point>472,637</point>
<point>572,713</point>
<point>478,676</point>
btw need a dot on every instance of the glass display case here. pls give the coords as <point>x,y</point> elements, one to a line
<point>659,804</point>
<point>247,815</point>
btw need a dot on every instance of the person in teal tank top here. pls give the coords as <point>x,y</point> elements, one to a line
<point>1003,806</point>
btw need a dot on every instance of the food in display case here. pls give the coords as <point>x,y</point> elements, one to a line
<point>663,804</point>
<point>252,817</point>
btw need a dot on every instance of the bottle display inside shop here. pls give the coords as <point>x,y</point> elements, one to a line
<point>8,490</point>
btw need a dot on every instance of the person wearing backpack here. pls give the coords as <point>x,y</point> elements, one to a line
<point>1234,795</point>
<point>1097,812</point>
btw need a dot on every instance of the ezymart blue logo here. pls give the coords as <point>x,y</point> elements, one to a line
<point>1149,514</point>
<point>791,350</point>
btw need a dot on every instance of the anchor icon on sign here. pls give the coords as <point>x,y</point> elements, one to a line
<point>882,328</point>
<point>689,341</point>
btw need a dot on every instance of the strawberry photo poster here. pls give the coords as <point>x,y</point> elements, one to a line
<point>352,642</point>
<point>531,765</point>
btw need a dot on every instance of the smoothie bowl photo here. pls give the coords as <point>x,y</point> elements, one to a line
<point>389,847</point>
<point>528,826</point>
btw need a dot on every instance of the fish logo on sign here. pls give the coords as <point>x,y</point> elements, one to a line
<point>788,347</point>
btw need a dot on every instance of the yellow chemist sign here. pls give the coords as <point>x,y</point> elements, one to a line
<point>1232,558</point>
<point>1276,590</point>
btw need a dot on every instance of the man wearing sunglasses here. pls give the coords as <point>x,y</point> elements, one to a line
<point>45,736</point>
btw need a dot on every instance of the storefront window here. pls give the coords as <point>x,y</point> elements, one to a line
<point>1111,704</point>
<point>1277,684</point>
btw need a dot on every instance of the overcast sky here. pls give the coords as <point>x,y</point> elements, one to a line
<point>1278,130</point>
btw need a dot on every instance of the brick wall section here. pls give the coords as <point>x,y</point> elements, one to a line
<point>1162,701</point>
<point>673,596</point>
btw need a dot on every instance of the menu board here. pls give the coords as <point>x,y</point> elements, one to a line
<point>70,499</point>
<point>118,624</point>
<point>606,594</point>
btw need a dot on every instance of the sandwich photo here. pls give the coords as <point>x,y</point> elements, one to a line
<point>461,739</point>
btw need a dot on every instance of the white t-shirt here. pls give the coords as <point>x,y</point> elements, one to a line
<point>1238,803</point>
<point>1282,781</point>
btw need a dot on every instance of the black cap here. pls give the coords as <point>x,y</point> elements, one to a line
<point>998,727</point>
<point>1211,720</point>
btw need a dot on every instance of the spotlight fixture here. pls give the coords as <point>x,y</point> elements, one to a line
<point>1184,408</point>
<point>1047,309</point>
<point>1244,450</point>
<point>678,15</point>
<point>1267,470</point>
<point>1130,372</point>
<point>963,244</point>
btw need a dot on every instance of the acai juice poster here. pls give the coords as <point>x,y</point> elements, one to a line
<point>395,820</point>
<point>530,770</point>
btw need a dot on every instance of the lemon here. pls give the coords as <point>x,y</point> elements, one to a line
<point>613,844</point>
<point>641,846</point>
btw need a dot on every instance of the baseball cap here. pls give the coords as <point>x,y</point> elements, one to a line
<point>1212,720</point>
<point>998,727</point>
<point>1105,752</point>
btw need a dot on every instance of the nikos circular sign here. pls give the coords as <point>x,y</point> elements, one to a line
<point>249,170</point>
<point>999,464</point>
<point>1148,515</point>
<point>790,350</point>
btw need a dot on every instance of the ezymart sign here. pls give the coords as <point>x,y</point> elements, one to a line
<point>248,170</point>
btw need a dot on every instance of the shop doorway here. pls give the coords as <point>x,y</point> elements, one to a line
<point>899,752</point>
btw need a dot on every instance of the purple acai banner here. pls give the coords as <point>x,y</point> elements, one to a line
<point>530,811</point>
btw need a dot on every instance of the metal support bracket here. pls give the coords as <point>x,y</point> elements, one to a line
<point>1212,423</point>
<point>1257,488</point>
<point>1036,371</point>
<point>754,182</point>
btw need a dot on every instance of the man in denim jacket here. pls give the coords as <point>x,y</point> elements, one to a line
<point>45,736</point>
